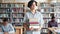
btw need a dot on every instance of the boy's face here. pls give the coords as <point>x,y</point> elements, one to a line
<point>53,19</point>
<point>33,6</point>
<point>5,22</point>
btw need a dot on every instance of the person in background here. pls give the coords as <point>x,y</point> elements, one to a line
<point>52,23</point>
<point>33,13</point>
<point>7,27</point>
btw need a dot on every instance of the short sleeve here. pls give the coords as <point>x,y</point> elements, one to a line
<point>11,30</point>
<point>25,18</point>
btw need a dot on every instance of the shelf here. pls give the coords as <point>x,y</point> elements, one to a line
<point>4,8</point>
<point>18,13</point>
<point>13,11</point>
<point>3,17</point>
<point>50,9</point>
<point>10,7</point>
<point>49,12</point>
<point>17,7</point>
<point>19,17</point>
<point>46,18</point>
<point>4,13</point>
<point>14,3</point>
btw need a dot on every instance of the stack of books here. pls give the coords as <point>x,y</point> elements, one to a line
<point>34,23</point>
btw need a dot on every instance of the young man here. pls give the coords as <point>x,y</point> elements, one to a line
<point>33,14</point>
<point>52,23</point>
<point>7,27</point>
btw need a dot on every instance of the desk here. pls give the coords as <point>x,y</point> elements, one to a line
<point>54,30</point>
<point>19,29</point>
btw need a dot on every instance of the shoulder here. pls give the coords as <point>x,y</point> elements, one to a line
<point>9,24</point>
<point>27,12</point>
<point>39,13</point>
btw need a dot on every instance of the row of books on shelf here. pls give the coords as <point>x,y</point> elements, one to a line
<point>14,1</point>
<point>10,5</point>
<point>47,9</point>
<point>5,15</point>
<point>5,10</point>
<point>14,20</point>
<point>18,10</point>
<point>48,15</point>
<point>17,20</point>
<point>43,5</point>
<point>13,15</point>
<point>13,10</point>
<point>22,15</point>
<point>47,20</point>
<point>50,10</point>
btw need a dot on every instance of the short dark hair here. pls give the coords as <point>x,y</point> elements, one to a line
<point>5,19</point>
<point>52,17</point>
<point>31,2</point>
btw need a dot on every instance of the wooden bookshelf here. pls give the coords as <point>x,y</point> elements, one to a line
<point>12,10</point>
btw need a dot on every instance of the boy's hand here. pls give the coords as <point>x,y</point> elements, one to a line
<point>6,33</point>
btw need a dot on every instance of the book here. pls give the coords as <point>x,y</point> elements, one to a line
<point>33,20</point>
<point>34,23</point>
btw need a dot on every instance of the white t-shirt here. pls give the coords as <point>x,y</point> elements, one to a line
<point>8,28</point>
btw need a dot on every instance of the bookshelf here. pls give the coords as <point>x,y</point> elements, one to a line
<point>13,11</point>
<point>57,10</point>
<point>48,10</point>
<point>7,1</point>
